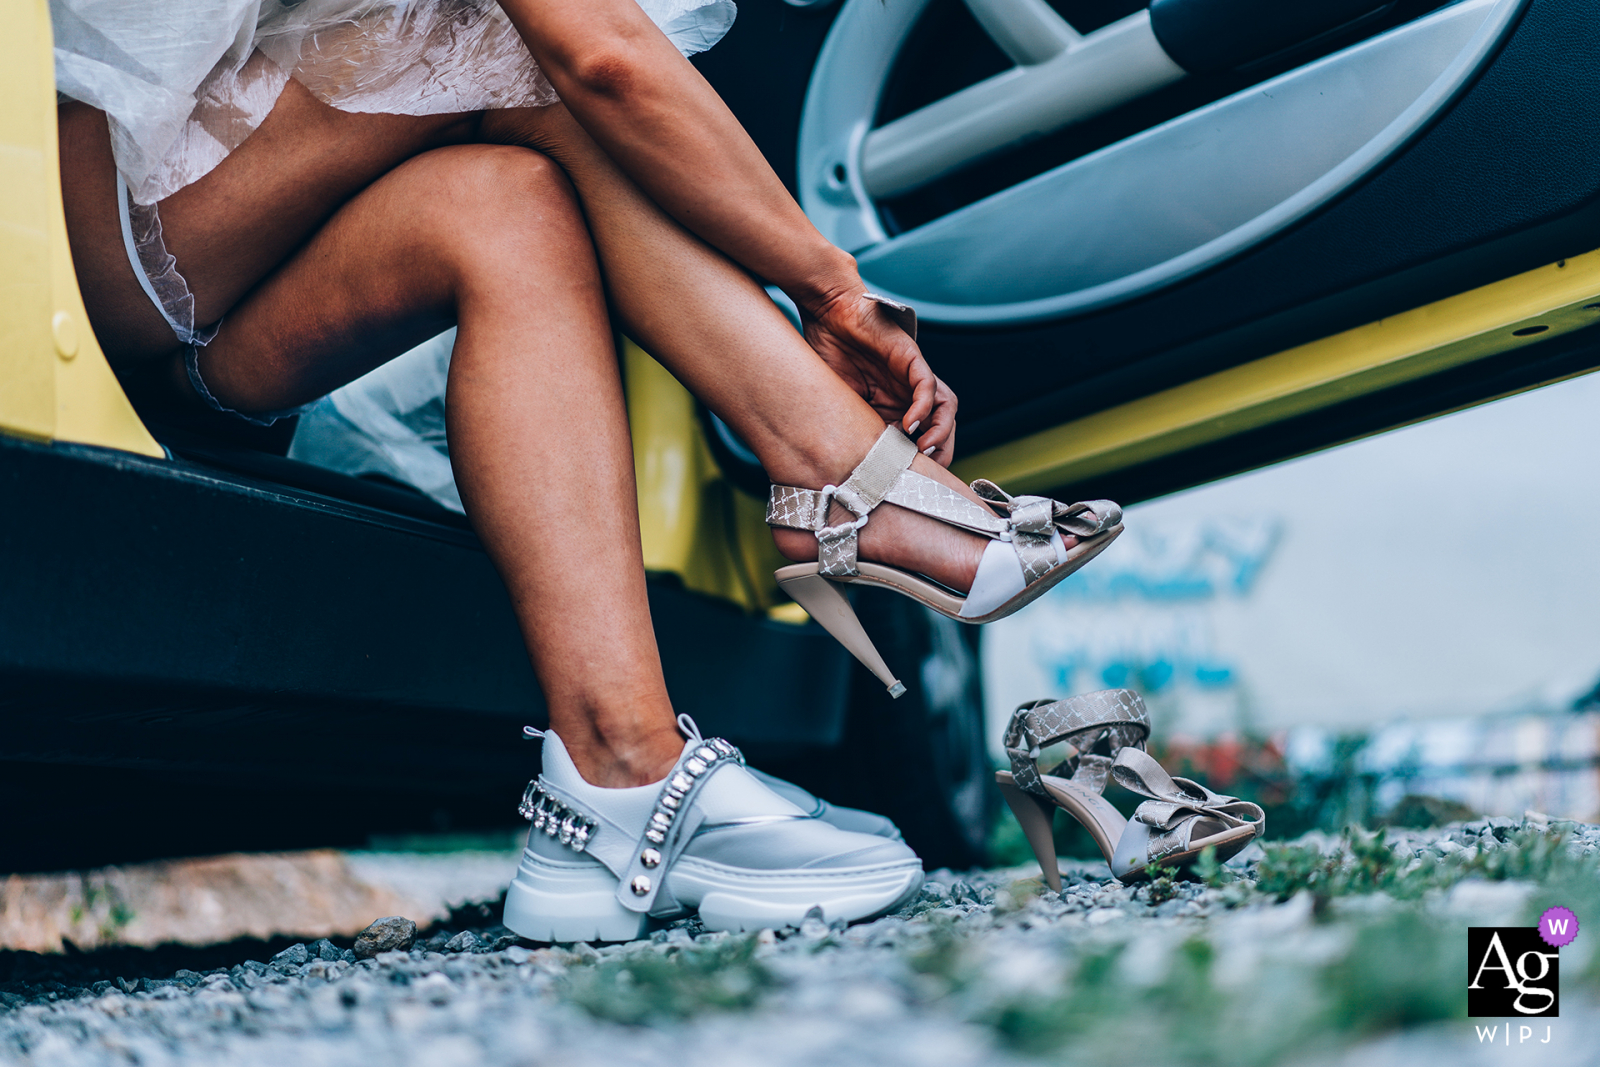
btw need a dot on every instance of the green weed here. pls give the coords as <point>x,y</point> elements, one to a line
<point>650,986</point>
<point>1365,863</point>
<point>1397,966</point>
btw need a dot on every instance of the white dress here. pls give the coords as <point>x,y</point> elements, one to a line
<point>184,82</point>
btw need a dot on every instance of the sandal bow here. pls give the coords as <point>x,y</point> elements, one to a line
<point>1177,806</point>
<point>1031,521</point>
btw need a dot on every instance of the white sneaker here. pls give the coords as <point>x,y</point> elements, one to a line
<point>862,822</point>
<point>602,864</point>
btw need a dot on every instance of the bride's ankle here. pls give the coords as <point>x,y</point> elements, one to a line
<point>623,763</point>
<point>901,538</point>
<point>797,546</point>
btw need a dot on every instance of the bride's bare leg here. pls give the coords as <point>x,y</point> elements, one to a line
<point>487,237</point>
<point>491,237</point>
<point>720,334</point>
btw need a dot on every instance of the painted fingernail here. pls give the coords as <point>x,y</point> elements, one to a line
<point>930,450</point>
<point>913,427</point>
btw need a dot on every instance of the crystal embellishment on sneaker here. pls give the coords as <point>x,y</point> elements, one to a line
<point>694,769</point>
<point>554,818</point>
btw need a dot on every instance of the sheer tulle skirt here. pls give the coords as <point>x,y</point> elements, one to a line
<point>185,83</point>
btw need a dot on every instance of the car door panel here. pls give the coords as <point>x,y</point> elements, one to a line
<point>1503,179</point>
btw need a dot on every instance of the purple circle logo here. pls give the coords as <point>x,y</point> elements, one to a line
<point>1558,927</point>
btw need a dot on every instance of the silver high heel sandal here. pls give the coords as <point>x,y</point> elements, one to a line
<point>1025,559</point>
<point>1105,734</point>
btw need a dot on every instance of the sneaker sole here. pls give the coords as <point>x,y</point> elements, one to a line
<point>557,902</point>
<point>737,900</point>
<point>550,901</point>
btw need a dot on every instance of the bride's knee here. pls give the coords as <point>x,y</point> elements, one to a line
<point>486,197</point>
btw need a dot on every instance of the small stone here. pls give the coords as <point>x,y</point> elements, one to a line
<point>393,933</point>
<point>434,988</point>
<point>323,949</point>
<point>294,954</point>
<point>11,1000</point>
<point>465,941</point>
<point>813,928</point>
<point>188,978</point>
<point>127,985</point>
<point>518,954</point>
<point>766,936</point>
<point>99,988</point>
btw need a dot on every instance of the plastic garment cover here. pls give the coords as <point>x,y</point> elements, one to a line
<point>184,82</point>
<point>388,422</point>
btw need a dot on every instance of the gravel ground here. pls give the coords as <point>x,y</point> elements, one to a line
<point>985,968</point>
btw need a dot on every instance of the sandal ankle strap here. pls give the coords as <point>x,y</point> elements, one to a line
<point>885,474</point>
<point>1028,522</point>
<point>1117,716</point>
<point>867,487</point>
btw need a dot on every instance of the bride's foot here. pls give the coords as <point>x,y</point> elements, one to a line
<point>902,538</point>
<point>1005,552</point>
<point>603,864</point>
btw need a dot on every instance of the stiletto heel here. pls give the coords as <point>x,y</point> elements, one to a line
<point>1036,816</point>
<point>1026,557</point>
<point>825,602</point>
<point>1105,734</point>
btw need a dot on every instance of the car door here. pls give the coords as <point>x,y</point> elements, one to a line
<point>1154,246</point>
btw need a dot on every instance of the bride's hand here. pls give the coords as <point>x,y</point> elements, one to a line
<point>857,338</point>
